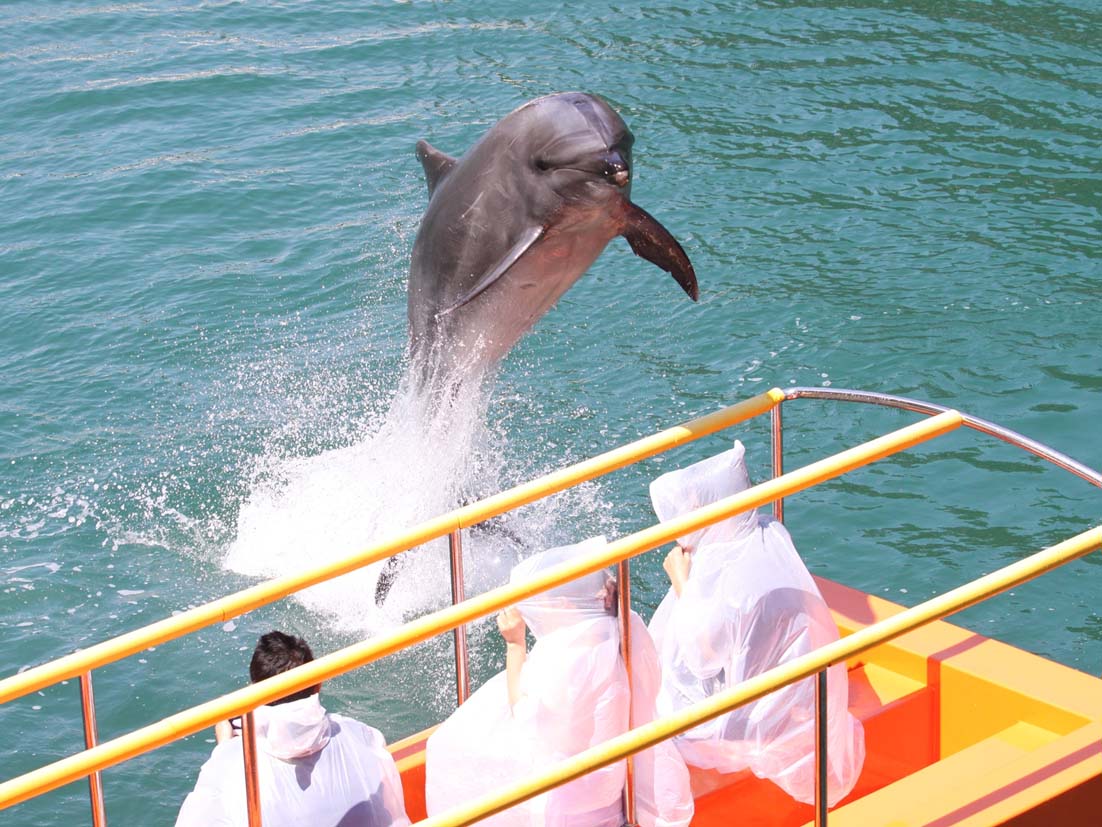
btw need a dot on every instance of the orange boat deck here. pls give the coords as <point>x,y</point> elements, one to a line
<point>959,730</point>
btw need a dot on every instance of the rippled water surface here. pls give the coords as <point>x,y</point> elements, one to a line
<point>206,214</point>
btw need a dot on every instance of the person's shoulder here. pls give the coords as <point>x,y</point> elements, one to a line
<point>215,788</point>
<point>358,729</point>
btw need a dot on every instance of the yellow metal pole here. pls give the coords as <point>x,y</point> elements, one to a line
<point>761,685</point>
<point>321,669</point>
<point>231,606</point>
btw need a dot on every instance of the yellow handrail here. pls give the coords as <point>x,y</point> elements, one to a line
<point>206,715</point>
<point>761,685</point>
<point>226,608</point>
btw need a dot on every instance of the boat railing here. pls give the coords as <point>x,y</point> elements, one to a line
<point>81,664</point>
<point>813,663</point>
<point>234,605</point>
<point>97,757</point>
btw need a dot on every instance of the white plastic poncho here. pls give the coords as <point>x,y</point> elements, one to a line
<point>749,604</point>
<point>313,768</point>
<point>574,695</point>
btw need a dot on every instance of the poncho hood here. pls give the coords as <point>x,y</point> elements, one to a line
<point>569,604</point>
<point>676,493</point>
<point>294,729</point>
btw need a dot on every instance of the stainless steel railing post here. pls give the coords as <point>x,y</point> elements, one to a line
<point>623,577</point>
<point>778,456</point>
<point>462,675</point>
<point>821,756</point>
<point>91,738</point>
<point>252,783</point>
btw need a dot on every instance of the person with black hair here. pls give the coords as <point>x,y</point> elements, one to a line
<point>315,767</point>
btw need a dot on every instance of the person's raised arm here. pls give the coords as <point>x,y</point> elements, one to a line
<point>223,731</point>
<point>511,626</point>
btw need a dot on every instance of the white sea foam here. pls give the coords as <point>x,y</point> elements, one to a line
<point>425,459</point>
<point>52,568</point>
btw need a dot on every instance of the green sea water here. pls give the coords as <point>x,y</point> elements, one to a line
<point>206,215</point>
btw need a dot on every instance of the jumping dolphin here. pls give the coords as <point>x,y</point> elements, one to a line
<point>516,221</point>
<point>509,228</point>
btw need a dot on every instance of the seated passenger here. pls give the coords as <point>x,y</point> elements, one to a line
<point>742,602</point>
<point>568,694</point>
<point>314,768</point>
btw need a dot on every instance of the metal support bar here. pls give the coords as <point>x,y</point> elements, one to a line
<point>462,674</point>
<point>623,577</point>
<point>252,784</point>
<point>821,756</point>
<point>91,738</point>
<point>778,457</point>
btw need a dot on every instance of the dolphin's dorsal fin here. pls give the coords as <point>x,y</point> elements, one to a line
<point>437,164</point>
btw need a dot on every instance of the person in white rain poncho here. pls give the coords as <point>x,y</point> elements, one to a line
<point>569,693</point>
<point>314,768</point>
<point>741,603</point>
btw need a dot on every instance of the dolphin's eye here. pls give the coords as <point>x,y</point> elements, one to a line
<point>542,164</point>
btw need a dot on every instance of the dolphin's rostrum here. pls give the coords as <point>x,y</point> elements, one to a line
<point>515,222</point>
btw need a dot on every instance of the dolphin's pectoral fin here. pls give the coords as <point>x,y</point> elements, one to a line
<point>437,164</point>
<point>529,238</point>
<point>652,241</point>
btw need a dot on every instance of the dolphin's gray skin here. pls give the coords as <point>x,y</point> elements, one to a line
<point>515,222</point>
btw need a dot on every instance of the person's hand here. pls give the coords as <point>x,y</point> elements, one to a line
<point>609,595</point>
<point>677,565</point>
<point>223,731</point>
<point>511,626</point>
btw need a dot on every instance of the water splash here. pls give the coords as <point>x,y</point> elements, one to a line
<point>432,452</point>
